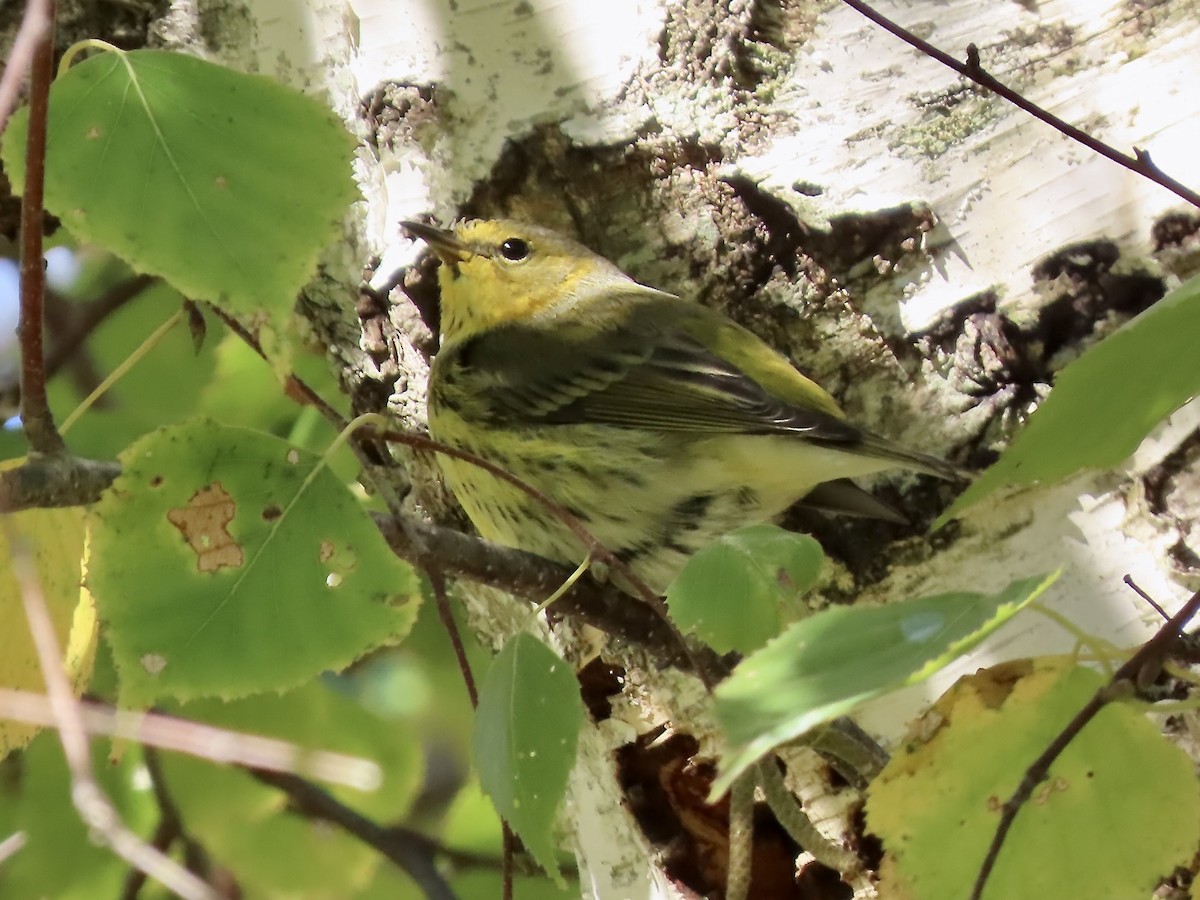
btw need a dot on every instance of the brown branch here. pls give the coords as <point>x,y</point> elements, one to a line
<point>1149,601</point>
<point>1140,163</point>
<point>170,829</point>
<point>509,851</point>
<point>438,582</point>
<point>35,409</point>
<point>33,27</point>
<point>410,851</point>
<point>43,482</point>
<point>1124,683</point>
<point>81,367</point>
<point>522,574</point>
<point>297,388</point>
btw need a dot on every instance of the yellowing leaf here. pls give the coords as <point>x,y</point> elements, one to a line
<point>55,537</point>
<point>1119,810</point>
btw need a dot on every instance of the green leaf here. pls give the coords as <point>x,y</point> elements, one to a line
<point>736,592</point>
<point>526,729</point>
<point>1120,809</point>
<point>227,185</point>
<point>247,825</point>
<point>826,665</point>
<point>60,859</point>
<point>226,562</point>
<point>1105,402</point>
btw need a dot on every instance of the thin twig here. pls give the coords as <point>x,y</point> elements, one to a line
<point>297,387</point>
<point>33,27</point>
<point>170,829</point>
<point>509,846</point>
<point>80,368</point>
<point>124,368</point>
<point>1148,658</point>
<point>36,418</point>
<point>217,745</point>
<point>11,846</point>
<point>93,806</point>
<point>438,581</point>
<point>1150,601</point>
<point>1140,163</point>
<point>409,851</point>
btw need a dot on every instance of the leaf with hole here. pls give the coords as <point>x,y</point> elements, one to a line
<point>226,562</point>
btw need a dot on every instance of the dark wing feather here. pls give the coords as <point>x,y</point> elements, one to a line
<point>635,377</point>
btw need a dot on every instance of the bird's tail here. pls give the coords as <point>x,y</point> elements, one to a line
<point>874,445</point>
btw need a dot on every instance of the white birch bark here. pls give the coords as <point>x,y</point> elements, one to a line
<point>839,123</point>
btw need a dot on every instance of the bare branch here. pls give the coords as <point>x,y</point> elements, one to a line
<point>525,575</point>
<point>406,849</point>
<point>217,745</point>
<point>510,850</point>
<point>1140,163</point>
<point>44,482</point>
<point>11,846</point>
<point>33,27</point>
<point>170,829</point>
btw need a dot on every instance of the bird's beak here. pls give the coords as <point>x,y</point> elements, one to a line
<point>448,248</point>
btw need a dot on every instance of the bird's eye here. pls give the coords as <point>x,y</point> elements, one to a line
<point>514,249</point>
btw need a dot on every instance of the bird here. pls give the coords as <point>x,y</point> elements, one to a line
<point>658,422</point>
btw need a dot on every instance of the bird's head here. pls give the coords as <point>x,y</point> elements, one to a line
<point>496,272</point>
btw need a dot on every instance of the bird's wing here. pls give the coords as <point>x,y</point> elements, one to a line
<point>653,371</point>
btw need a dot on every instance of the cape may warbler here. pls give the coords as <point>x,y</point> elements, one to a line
<point>660,423</point>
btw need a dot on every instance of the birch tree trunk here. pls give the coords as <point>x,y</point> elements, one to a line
<point>924,250</point>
